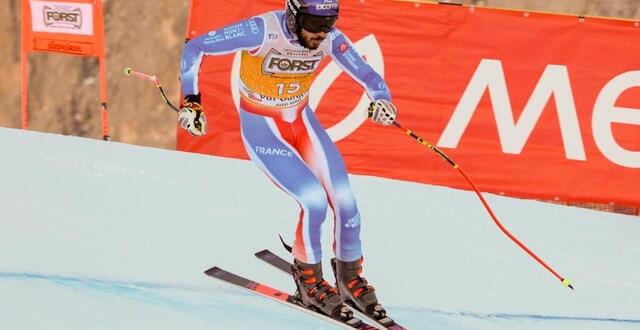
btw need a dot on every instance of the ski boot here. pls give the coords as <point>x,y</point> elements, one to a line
<point>315,292</point>
<point>356,292</point>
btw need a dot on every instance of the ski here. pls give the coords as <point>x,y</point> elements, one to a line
<point>283,297</point>
<point>285,266</point>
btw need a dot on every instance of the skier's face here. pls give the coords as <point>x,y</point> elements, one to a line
<point>312,40</point>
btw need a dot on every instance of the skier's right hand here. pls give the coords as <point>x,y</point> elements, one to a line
<point>192,118</point>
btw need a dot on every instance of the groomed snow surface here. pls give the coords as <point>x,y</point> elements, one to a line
<point>97,235</point>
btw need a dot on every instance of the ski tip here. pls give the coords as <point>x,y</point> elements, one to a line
<point>212,271</point>
<point>260,253</point>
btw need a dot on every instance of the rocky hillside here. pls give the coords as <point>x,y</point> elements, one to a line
<point>64,90</point>
<point>148,35</point>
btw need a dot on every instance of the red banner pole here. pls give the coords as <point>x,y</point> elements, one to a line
<point>99,37</point>
<point>23,90</point>
<point>103,99</point>
<point>24,64</point>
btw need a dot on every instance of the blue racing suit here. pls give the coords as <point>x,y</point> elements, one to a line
<point>280,132</point>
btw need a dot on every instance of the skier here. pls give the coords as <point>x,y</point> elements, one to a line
<point>280,53</point>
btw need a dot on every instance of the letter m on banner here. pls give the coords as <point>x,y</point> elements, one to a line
<point>74,27</point>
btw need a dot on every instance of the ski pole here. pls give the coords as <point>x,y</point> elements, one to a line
<point>129,72</point>
<point>565,282</point>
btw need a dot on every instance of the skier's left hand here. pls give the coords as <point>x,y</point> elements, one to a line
<point>382,112</point>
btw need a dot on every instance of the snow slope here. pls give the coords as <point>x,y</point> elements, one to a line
<point>97,235</point>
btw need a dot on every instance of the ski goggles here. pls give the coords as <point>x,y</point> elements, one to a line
<point>316,24</point>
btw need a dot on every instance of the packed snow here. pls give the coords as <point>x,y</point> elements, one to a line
<point>104,235</point>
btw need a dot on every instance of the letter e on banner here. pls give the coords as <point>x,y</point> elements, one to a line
<point>605,112</point>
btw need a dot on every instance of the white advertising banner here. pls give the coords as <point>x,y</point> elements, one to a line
<point>62,17</point>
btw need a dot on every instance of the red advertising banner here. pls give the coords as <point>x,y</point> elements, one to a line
<point>530,105</point>
<point>74,27</point>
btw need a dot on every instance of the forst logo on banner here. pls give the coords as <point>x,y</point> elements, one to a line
<point>65,17</point>
<point>62,17</point>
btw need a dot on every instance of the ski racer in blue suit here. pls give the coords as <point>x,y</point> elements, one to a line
<point>280,53</point>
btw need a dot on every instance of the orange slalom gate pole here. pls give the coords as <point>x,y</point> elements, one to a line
<point>564,281</point>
